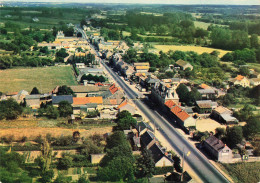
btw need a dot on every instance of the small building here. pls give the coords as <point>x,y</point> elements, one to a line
<point>160,157</point>
<point>218,149</point>
<point>96,158</point>
<point>126,106</point>
<point>141,67</point>
<point>208,94</point>
<point>255,81</point>
<point>142,127</point>
<point>59,98</point>
<point>80,65</point>
<point>33,101</point>
<point>223,115</point>
<point>205,106</point>
<point>240,80</point>
<point>184,65</point>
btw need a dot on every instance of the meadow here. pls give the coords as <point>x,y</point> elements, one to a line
<point>44,78</point>
<point>198,49</point>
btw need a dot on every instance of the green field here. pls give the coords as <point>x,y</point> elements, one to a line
<point>204,25</point>
<point>244,172</point>
<point>44,78</point>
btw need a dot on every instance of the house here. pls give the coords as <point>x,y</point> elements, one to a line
<point>218,149</point>
<point>142,127</point>
<point>141,66</point>
<point>208,94</point>
<point>160,157</point>
<point>57,99</point>
<point>33,101</point>
<point>184,65</point>
<point>223,115</point>
<point>82,105</point>
<point>126,106</point>
<point>161,93</point>
<point>205,106</point>
<point>240,80</point>
<point>255,81</point>
<point>148,139</point>
<point>90,90</point>
<point>182,118</point>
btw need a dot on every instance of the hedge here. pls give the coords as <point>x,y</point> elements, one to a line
<point>162,170</point>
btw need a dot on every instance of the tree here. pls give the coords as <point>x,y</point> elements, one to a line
<point>220,38</point>
<point>126,123</point>
<point>234,136</point>
<point>252,128</point>
<point>228,99</point>
<point>120,168</point>
<point>123,114</point>
<point>244,71</point>
<point>10,109</point>
<point>254,41</point>
<point>64,163</point>
<point>117,138</point>
<point>62,53</point>
<point>65,90</point>
<point>65,109</point>
<point>145,165</point>
<point>245,113</point>
<point>227,57</point>
<point>220,132</point>
<point>177,163</point>
<point>52,112</point>
<point>182,92</point>
<point>34,91</point>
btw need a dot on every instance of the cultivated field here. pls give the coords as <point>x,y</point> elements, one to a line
<point>198,49</point>
<point>44,78</point>
<point>244,172</point>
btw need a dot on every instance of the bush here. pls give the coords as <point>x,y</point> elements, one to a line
<point>162,170</point>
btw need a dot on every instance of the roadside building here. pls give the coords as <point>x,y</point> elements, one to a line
<point>126,106</point>
<point>218,149</point>
<point>33,101</point>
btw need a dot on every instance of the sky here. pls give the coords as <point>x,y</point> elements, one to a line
<point>234,2</point>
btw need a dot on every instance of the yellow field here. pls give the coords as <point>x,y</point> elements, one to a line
<point>44,78</point>
<point>198,49</point>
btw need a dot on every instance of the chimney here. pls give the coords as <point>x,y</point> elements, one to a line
<point>169,155</point>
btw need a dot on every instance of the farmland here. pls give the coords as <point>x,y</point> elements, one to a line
<point>31,128</point>
<point>45,79</point>
<point>244,172</point>
<point>198,49</point>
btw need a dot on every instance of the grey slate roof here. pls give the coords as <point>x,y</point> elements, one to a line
<point>215,143</point>
<point>31,97</point>
<point>58,99</point>
<point>147,137</point>
<point>143,125</point>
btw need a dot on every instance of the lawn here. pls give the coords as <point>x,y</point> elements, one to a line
<point>244,172</point>
<point>44,78</point>
<point>205,25</point>
<point>198,49</point>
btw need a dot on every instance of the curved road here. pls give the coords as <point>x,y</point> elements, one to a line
<point>200,164</point>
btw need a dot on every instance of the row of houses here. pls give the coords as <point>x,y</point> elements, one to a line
<point>107,99</point>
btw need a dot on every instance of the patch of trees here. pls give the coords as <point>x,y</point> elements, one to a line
<point>186,96</point>
<point>95,78</point>
<point>60,55</point>
<point>87,60</point>
<point>10,109</point>
<point>9,61</point>
<point>65,90</point>
<point>233,40</point>
<point>124,121</point>
<point>241,57</point>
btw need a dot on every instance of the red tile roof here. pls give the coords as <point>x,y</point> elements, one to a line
<point>122,104</point>
<point>180,113</point>
<point>87,100</point>
<point>113,89</point>
<point>170,103</point>
<point>239,77</point>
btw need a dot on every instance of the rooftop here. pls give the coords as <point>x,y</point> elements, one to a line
<point>215,143</point>
<point>87,100</point>
<point>59,98</point>
<point>180,113</point>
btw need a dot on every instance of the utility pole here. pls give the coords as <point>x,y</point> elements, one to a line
<point>183,156</point>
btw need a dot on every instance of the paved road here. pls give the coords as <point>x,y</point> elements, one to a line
<point>200,164</point>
